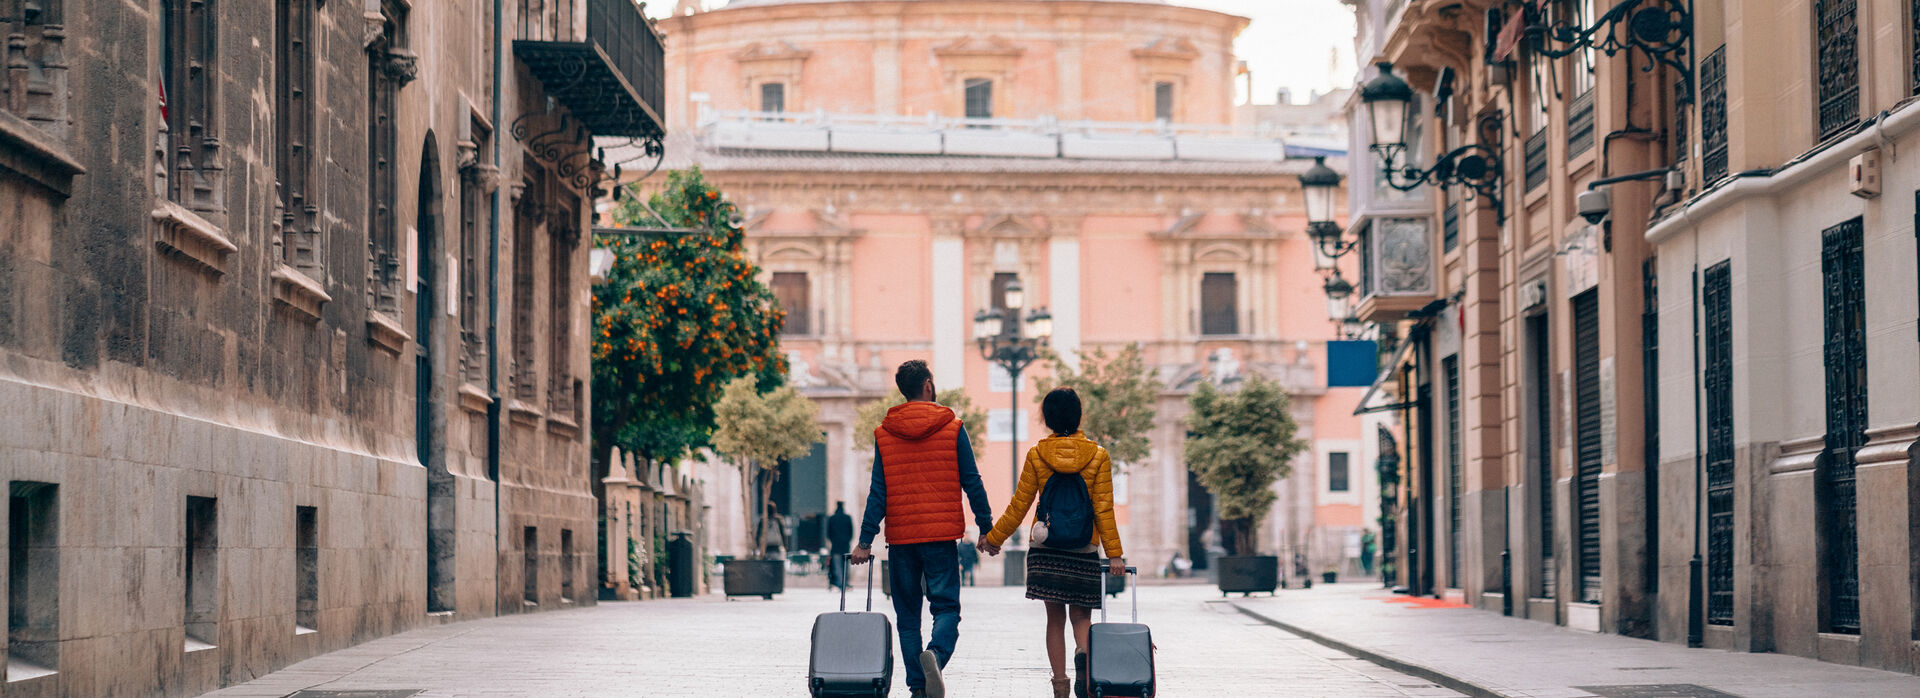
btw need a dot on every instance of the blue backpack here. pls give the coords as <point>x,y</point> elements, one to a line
<point>1067,510</point>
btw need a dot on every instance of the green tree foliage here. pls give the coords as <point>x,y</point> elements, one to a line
<point>866,418</point>
<point>756,431</point>
<point>1117,393</point>
<point>1238,445</point>
<point>676,318</point>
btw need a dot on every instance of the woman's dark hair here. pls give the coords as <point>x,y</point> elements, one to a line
<point>1061,411</point>
<point>911,377</point>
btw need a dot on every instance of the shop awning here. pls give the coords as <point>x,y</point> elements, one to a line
<point>1386,371</point>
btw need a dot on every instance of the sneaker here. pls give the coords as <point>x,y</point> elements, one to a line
<point>930,665</point>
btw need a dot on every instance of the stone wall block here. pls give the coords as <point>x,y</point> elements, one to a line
<point>1791,574</point>
<point>1886,586</point>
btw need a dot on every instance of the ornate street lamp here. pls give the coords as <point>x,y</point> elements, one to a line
<point>998,332</point>
<point>1321,186</point>
<point>1339,297</point>
<point>1662,30</point>
<point>1474,166</point>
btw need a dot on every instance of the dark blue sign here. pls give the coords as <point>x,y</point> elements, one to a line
<point>1352,363</point>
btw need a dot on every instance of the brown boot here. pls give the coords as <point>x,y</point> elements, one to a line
<point>1062,687</point>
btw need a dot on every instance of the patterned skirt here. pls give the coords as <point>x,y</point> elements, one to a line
<point>1064,576</point>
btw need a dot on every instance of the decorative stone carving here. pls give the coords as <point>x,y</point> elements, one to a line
<point>191,238</point>
<point>386,333</point>
<point>1402,257</point>
<point>298,292</point>
<point>401,66</point>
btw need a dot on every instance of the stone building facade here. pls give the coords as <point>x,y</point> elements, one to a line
<point>900,162</point>
<point>1715,377</point>
<point>271,280</point>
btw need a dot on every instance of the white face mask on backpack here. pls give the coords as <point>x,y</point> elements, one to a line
<point>1039,535</point>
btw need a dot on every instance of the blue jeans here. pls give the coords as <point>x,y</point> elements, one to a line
<point>938,564</point>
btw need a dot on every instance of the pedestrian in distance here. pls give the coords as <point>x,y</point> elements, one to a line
<point>922,463</point>
<point>969,558</point>
<point>1073,478</point>
<point>839,543</point>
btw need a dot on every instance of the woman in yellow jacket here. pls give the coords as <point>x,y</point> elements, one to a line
<point>1068,581</point>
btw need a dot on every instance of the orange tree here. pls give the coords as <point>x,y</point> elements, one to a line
<point>677,317</point>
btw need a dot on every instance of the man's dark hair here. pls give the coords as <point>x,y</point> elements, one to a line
<point>912,376</point>
<point>1061,410</point>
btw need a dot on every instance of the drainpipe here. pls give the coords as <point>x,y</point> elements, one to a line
<point>493,287</point>
<point>1696,616</point>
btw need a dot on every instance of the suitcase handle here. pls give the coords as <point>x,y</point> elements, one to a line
<point>1133,586</point>
<point>843,587</point>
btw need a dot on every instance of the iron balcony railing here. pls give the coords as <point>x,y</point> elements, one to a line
<point>601,58</point>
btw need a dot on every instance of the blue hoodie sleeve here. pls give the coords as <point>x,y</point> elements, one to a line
<point>876,503</point>
<point>970,482</point>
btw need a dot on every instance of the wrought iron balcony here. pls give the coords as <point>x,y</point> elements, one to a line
<point>600,59</point>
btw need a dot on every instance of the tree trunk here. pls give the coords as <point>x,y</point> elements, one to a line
<point>747,487</point>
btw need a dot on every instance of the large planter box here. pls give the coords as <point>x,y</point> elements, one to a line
<point>1245,574</point>
<point>762,578</point>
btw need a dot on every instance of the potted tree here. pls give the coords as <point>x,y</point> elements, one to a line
<point>1238,444</point>
<point>756,430</point>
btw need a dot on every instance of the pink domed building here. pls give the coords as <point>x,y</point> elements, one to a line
<point>901,162</point>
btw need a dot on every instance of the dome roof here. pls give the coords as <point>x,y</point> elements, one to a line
<point>766,3</point>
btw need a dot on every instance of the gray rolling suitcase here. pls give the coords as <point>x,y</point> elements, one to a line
<point>852,652</point>
<point>1120,655</point>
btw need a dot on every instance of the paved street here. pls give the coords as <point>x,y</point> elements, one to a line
<point>713,647</point>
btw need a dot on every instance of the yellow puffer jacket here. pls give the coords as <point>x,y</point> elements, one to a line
<point>1067,455</point>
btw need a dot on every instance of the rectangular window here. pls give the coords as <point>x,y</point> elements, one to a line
<point>528,215</point>
<point>189,102</point>
<point>1842,268</point>
<point>530,552</point>
<point>1539,340</point>
<point>1163,101</point>
<point>1836,27</point>
<point>1541,89</point>
<point>791,289</point>
<point>1716,296</point>
<point>1587,453</point>
<point>564,230</point>
<point>1001,280</point>
<point>293,134</point>
<point>566,565</point>
<point>33,580</point>
<point>1713,116</point>
<point>201,571</point>
<point>1581,64</point>
<point>1450,368</point>
<point>1219,301</point>
<point>306,560</point>
<point>474,213</point>
<point>773,97</point>
<point>1450,224</point>
<point>1337,472</point>
<point>387,70</point>
<point>1001,422</point>
<point>1650,418</point>
<point>979,98</point>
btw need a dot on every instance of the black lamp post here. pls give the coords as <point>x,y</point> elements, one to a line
<point>998,332</point>
<point>1321,185</point>
<point>1474,166</point>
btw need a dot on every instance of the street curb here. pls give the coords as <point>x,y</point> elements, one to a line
<point>1399,665</point>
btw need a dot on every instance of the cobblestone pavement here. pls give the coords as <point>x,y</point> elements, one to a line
<point>750,647</point>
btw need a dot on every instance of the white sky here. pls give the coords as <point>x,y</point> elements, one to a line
<point>1303,45</point>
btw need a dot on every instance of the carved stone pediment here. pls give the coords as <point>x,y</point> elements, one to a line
<point>978,56</point>
<point>1007,225</point>
<point>1168,48</point>
<point>779,50</point>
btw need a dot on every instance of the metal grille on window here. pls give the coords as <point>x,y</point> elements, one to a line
<point>773,97</point>
<point>1586,482</point>
<point>1680,126</point>
<point>1450,366</point>
<point>1846,367</point>
<point>1539,333</point>
<point>1337,476</point>
<point>1650,415</point>
<point>1450,225</point>
<point>1839,61</point>
<point>1580,124</point>
<point>1716,296</point>
<point>1713,116</point>
<point>1536,160</point>
<point>979,98</point>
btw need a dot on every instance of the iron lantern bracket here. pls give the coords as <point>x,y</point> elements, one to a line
<point>1475,167</point>
<point>1661,29</point>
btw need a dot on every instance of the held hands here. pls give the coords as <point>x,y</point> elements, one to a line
<point>1116,567</point>
<point>988,548</point>
<point>861,555</point>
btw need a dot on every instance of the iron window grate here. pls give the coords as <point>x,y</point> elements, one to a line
<point>1580,124</point>
<point>1451,367</point>
<point>1713,116</point>
<point>1586,363</point>
<point>1536,160</point>
<point>1450,227</point>
<point>1846,369</point>
<point>1540,331</point>
<point>1718,379</point>
<point>1838,32</point>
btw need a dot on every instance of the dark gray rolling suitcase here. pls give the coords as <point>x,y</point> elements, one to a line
<point>1120,655</point>
<point>852,652</point>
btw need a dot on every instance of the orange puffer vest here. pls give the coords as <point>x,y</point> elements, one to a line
<point>919,457</point>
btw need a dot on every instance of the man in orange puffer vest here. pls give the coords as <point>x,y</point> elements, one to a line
<point>922,461</point>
